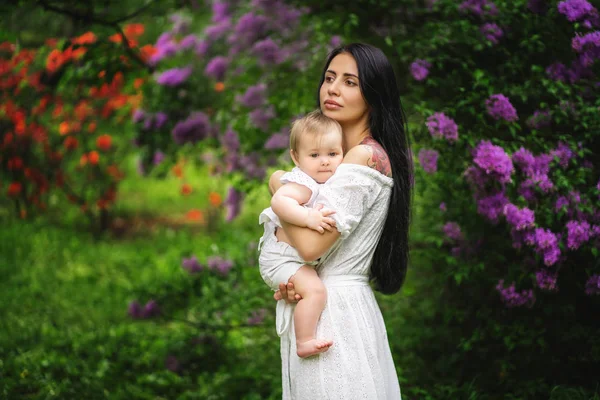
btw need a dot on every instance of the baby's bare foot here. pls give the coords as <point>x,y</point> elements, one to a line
<point>312,347</point>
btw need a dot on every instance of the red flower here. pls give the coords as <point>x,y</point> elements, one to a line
<point>14,189</point>
<point>103,142</point>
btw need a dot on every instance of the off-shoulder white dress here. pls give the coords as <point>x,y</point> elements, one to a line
<point>359,365</point>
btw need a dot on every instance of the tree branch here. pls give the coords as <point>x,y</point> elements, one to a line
<point>91,18</point>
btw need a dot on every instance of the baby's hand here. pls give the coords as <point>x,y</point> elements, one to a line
<point>318,219</point>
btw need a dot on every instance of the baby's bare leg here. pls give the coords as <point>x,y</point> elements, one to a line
<point>308,311</point>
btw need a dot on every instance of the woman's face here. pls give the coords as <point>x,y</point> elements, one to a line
<point>340,96</point>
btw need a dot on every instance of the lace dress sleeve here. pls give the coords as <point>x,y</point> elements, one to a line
<point>350,192</point>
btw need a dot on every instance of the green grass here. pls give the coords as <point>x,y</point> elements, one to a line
<point>64,295</point>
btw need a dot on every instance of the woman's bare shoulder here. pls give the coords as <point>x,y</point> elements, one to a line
<point>371,154</point>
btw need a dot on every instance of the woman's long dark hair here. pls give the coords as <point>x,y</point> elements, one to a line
<point>387,123</point>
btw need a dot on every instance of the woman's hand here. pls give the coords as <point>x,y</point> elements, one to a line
<point>274,181</point>
<point>287,293</point>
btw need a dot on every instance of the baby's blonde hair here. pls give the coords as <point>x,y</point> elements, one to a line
<point>314,123</point>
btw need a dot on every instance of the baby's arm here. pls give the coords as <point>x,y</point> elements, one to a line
<point>287,204</point>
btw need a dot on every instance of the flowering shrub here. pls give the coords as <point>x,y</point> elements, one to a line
<point>225,93</point>
<point>58,101</point>
<point>519,218</point>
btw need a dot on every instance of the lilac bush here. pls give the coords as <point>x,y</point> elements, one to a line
<point>228,79</point>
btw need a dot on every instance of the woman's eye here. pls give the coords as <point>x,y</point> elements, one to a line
<point>329,78</point>
<point>351,83</point>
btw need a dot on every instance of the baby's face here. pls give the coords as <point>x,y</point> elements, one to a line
<point>319,156</point>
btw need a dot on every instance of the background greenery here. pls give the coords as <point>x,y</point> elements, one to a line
<point>68,278</point>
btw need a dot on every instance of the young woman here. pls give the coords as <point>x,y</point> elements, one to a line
<point>370,193</point>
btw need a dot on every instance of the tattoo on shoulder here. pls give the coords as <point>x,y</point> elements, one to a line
<point>378,159</point>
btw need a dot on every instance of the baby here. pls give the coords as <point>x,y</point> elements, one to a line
<point>316,149</point>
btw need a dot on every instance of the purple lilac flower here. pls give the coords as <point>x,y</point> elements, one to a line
<point>561,202</point>
<point>216,68</point>
<point>511,298</point>
<point>547,244</point>
<point>520,237</point>
<point>480,8</point>
<point>254,97</point>
<point>575,196</point>
<point>524,159</point>
<point>250,164</point>
<point>221,265</point>
<point>558,72</point>
<point>148,121</point>
<point>159,119</point>
<point>257,317</point>
<point>590,40</point>
<point>194,128</point>
<point>419,69</point>
<point>174,76</point>
<point>541,164</point>
<point>189,42</point>
<point>428,160</point>
<point>277,141</point>
<point>443,206</point>
<point>439,125</point>
<point>499,107</point>
<point>546,280</point>
<point>575,10</point>
<point>536,180</point>
<point>230,140</point>
<point>268,52</point>
<point>577,234</point>
<point>249,28</point>
<point>191,265</point>
<point>519,218</point>
<point>592,286</point>
<point>165,47</point>
<point>539,119</point>
<point>335,41</point>
<point>151,309</point>
<point>527,191</point>
<point>218,30</point>
<point>538,6</point>
<point>492,32</point>
<point>261,117</point>
<point>220,11</point>
<point>233,203</point>
<point>135,310</point>
<point>564,154</point>
<point>202,48</point>
<point>138,115</point>
<point>494,161</point>
<point>284,18</point>
<point>491,206</point>
<point>158,157</point>
<point>476,177</point>
<point>452,231</point>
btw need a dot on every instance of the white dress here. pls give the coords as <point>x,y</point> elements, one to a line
<point>359,365</point>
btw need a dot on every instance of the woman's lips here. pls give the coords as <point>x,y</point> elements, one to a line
<point>332,105</point>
